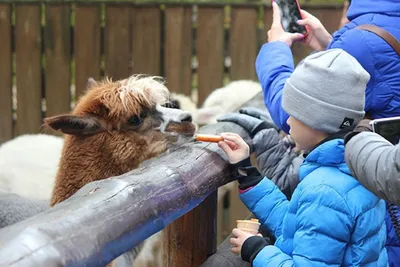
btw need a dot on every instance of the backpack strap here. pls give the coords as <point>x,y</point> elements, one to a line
<point>385,35</point>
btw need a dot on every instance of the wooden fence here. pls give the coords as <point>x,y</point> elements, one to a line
<point>132,207</point>
<point>49,49</point>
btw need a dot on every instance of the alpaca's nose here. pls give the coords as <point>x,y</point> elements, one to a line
<point>186,117</point>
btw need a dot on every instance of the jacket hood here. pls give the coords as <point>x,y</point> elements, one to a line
<point>330,153</point>
<point>361,7</point>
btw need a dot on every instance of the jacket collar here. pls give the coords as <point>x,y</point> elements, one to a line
<point>329,152</point>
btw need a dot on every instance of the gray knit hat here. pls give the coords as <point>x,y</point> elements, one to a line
<point>327,91</point>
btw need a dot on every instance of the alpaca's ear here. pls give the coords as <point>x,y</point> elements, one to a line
<point>76,125</point>
<point>90,83</point>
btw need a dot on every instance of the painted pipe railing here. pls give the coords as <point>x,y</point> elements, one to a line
<point>109,217</point>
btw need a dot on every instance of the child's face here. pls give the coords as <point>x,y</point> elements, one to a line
<point>305,137</point>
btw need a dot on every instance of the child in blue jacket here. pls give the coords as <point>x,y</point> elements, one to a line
<point>331,219</point>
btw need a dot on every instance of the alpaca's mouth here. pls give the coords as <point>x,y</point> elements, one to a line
<point>186,129</point>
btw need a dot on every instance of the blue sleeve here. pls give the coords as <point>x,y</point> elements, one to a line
<point>323,228</point>
<point>274,65</point>
<point>268,204</point>
<point>356,43</point>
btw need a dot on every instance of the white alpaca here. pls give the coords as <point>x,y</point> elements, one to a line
<point>28,165</point>
<point>221,101</point>
<point>225,100</point>
<point>185,102</point>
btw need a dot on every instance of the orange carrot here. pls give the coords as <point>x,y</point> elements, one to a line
<point>208,138</point>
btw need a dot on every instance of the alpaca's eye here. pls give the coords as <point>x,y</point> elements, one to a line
<point>135,120</point>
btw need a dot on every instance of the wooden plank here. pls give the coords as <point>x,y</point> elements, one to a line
<point>190,239</point>
<point>28,68</point>
<point>86,45</point>
<point>6,123</point>
<point>328,4</point>
<point>243,43</point>
<point>178,241</point>
<point>210,50</point>
<point>205,229</point>
<point>220,219</point>
<point>147,40</point>
<point>117,42</point>
<point>178,49</point>
<point>330,18</point>
<point>237,210</point>
<point>57,41</point>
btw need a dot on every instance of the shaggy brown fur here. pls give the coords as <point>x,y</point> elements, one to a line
<point>114,127</point>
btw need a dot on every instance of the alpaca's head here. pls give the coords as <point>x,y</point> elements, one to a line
<point>126,119</point>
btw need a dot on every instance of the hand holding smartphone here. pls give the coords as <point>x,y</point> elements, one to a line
<point>388,128</point>
<point>290,14</point>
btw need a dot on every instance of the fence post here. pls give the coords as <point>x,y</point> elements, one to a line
<point>191,239</point>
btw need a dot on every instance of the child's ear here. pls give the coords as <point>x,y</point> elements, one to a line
<point>76,125</point>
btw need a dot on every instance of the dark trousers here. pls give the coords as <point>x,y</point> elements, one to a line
<point>224,257</point>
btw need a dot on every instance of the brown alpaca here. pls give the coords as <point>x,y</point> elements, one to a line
<point>114,127</point>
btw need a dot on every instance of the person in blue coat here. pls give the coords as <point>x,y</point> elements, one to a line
<point>331,219</point>
<point>275,64</point>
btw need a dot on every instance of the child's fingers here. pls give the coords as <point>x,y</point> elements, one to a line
<point>225,147</point>
<point>228,151</point>
<point>232,137</point>
<point>231,144</point>
<point>230,134</point>
<point>236,250</point>
<point>234,242</point>
<point>304,22</point>
<point>237,232</point>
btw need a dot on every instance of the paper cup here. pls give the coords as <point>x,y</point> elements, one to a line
<point>250,226</point>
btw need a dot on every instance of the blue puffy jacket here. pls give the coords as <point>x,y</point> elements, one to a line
<point>331,220</point>
<point>274,63</point>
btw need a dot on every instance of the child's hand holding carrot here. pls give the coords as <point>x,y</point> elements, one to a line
<point>235,147</point>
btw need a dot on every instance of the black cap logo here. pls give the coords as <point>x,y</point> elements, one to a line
<point>347,122</point>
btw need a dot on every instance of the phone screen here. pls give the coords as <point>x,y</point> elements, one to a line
<point>389,129</point>
<point>290,13</point>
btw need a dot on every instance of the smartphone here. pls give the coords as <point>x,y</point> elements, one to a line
<point>290,14</point>
<point>388,128</point>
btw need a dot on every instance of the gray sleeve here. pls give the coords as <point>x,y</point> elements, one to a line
<point>376,164</point>
<point>277,160</point>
